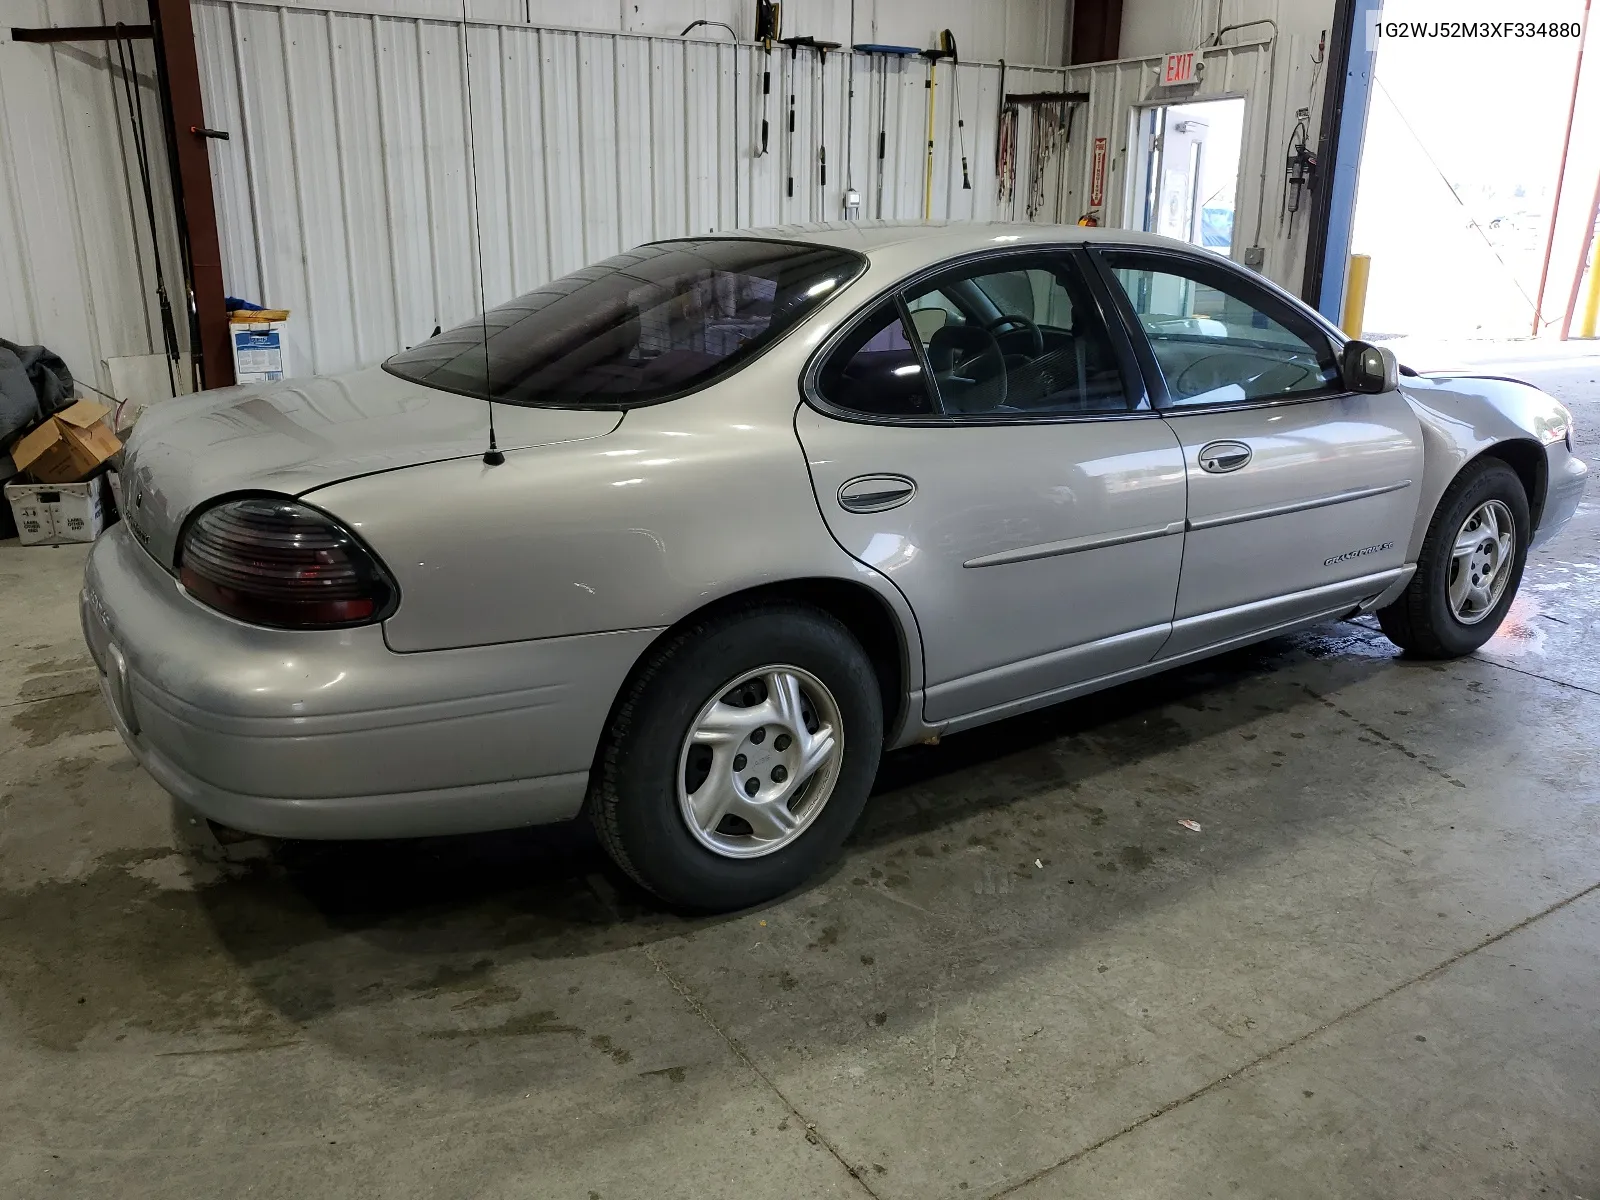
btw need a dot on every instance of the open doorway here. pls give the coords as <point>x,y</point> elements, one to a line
<point>1186,173</point>
<point>1459,178</point>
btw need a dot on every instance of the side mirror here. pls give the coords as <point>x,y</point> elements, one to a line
<point>1369,369</point>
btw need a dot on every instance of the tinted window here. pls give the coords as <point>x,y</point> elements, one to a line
<point>1024,339</point>
<point>1218,339</point>
<point>876,370</point>
<point>643,326</point>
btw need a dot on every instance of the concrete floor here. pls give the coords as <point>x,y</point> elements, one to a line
<point>1374,972</point>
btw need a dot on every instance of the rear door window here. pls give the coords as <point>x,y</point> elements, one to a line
<point>1018,338</point>
<point>638,328</point>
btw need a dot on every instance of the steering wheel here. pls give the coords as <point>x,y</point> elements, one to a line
<point>1021,323</point>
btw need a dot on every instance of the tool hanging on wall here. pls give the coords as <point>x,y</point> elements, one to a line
<point>961,118</point>
<point>1005,145</point>
<point>1050,134</point>
<point>169,329</point>
<point>819,101</point>
<point>1061,161</point>
<point>946,48</point>
<point>769,24</point>
<point>884,52</point>
<point>1049,137</point>
<point>852,198</point>
<point>1005,156</point>
<point>1299,168</point>
<point>794,55</point>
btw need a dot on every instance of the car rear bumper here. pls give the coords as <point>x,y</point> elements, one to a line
<point>333,735</point>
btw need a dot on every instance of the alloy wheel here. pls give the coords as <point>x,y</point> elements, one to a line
<point>1481,561</point>
<point>760,761</point>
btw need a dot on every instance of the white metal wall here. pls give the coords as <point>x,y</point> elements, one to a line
<point>1021,30</point>
<point>1293,30</point>
<point>75,258</point>
<point>345,193</point>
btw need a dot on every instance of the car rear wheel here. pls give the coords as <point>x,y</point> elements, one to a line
<point>1469,569</point>
<point>739,757</point>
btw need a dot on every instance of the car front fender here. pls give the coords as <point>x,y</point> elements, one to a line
<point>1463,417</point>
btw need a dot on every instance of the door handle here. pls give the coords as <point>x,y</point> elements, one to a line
<point>1221,457</point>
<point>876,493</point>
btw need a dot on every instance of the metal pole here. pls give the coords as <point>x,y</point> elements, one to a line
<point>1561,175</point>
<point>927,173</point>
<point>1591,310</point>
<point>1577,275</point>
<point>1355,295</point>
<point>179,76</point>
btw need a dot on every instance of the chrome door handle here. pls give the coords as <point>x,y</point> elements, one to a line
<point>876,493</point>
<point>1221,457</point>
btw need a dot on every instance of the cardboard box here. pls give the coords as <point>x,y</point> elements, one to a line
<point>68,445</point>
<point>57,514</point>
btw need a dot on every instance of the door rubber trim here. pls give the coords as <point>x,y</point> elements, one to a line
<point>1075,545</point>
<point>1281,510</point>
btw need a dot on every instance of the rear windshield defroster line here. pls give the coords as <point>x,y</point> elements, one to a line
<point>638,328</point>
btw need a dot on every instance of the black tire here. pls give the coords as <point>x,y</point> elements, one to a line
<point>1420,621</point>
<point>633,798</point>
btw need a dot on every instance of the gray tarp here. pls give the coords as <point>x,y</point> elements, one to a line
<point>33,384</point>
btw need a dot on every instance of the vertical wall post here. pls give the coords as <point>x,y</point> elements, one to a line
<point>179,74</point>
<point>1096,31</point>
<point>1343,128</point>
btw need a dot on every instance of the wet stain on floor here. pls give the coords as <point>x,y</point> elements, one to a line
<point>113,950</point>
<point>43,722</point>
<point>530,1024</point>
<point>1135,858</point>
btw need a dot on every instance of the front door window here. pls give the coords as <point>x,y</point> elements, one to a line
<point>1220,340</point>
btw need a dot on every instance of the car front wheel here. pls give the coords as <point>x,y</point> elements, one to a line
<point>1470,566</point>
<point>740,757</point>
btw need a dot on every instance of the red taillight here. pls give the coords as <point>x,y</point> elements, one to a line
<point>271,561</point>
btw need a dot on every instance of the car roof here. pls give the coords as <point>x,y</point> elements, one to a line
<point>944,239</point>
<point>906,247</point>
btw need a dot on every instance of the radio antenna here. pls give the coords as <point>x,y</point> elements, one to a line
<point>492,456</point>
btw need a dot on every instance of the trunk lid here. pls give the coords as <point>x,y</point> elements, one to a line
<point>294,436</point>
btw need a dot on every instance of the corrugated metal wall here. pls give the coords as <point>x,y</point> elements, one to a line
<point>1021,30</point>
<point>76,270</point>
<point>346,196</point>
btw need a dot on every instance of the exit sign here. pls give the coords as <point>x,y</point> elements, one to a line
<point>1179,68</point>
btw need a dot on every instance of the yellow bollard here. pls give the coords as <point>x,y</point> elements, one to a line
<point>1591,307</point>
<point>1355,294</point>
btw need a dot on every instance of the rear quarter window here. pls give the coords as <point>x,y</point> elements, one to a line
<point>635,329</point>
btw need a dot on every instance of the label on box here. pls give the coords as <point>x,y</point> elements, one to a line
<point>258,353</point>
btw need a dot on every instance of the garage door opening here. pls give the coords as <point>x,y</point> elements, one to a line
<point>1459,177</point>
<point>1187,171</point>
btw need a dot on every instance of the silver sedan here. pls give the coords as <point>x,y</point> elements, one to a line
<point>684,541</point>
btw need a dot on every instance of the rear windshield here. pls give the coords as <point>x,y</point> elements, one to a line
<point>644,326</point>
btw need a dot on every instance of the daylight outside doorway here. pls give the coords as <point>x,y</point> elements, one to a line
<point>1186,171</point>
